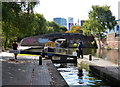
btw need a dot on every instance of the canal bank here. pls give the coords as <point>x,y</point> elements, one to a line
<point>106,70</point>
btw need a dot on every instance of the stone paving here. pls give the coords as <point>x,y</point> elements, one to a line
<point>27,71</point>
<point>24,71</point>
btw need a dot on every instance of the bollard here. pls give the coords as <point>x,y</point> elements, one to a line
<point>40,60</point>
<point>90,57</point>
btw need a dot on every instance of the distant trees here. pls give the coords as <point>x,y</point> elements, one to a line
<point>63,28</point>
<point>53,27</point>
<point>74,29</point>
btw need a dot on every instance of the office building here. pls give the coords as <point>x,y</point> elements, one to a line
<point>60,21</point>
<point>70,22</point>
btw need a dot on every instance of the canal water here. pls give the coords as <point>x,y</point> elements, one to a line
<point>75,76</point>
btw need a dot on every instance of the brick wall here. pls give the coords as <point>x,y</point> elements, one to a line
<point>113,41</point>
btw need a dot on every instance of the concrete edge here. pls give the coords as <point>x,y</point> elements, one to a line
<point>104,73</point>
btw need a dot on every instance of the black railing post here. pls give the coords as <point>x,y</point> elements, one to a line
<point>40,60</point>
<point>90,57</point>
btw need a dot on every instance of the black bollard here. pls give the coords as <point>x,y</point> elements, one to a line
<point>40,60</point>
<point>90,57</point>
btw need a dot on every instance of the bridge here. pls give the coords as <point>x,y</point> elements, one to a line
<point>40,40</point>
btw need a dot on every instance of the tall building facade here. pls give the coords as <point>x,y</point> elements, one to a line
<point>70,22</point>
<point>61,21</point>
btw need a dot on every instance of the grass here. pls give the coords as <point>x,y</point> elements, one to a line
<point>26,55</point>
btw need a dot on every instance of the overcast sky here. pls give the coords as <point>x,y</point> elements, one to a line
<point>78,9</point>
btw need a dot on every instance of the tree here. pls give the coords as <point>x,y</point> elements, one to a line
<point>16,23</point>
<point>87,28</point>
<point>26,25</point>
<point>100,19</point>
<point>75,29</point>
<point>63,28</point>
<point>50,29</point>
<point>10,12</point>
<point>55,26</point>
<point>40,24</point>
<point>28,6</point>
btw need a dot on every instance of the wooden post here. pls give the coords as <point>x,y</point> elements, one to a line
<point>40,60</point>
<point>90,57</point>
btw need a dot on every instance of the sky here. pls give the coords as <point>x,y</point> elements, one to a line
<point>78,9</point>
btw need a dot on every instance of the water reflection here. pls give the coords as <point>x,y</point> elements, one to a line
<point>75,76</point>
<point>110,55</point>
<point>80,74</point>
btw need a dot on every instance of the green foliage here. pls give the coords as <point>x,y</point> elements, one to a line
<point>28,6</point>
<point>72,28</point>
<point>75,29</point>
<point>103,16</point>
<point>25,23</point>
<point>53,27</point>
<point>50,30</point>
<point>10,12</point>
<point>16,23</point>
<point>90,27</point>
<point>100,19</point>
<point>63,28</point>
<point>56,27</point>
<point>40,24</point>
<point>19,21</point>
